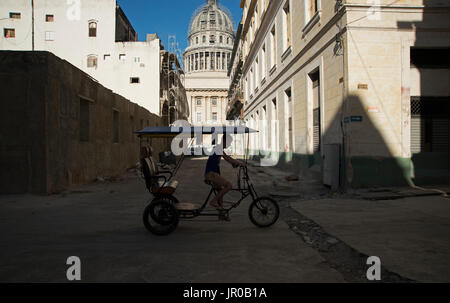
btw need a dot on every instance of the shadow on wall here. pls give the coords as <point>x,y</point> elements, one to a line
<point>430,96</point>
<point>368,150</point>
<point>367,161</point>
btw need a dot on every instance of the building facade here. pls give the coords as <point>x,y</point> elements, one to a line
<point>95,36</point>
<point>206,59</point>
<point>360,92</point>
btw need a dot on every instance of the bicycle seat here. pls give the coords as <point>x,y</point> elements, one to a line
<point>156,182</point>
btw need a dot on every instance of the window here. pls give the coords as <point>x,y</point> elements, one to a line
<point>273,42</point>
<point>49,36</point>
<point>92,29</point>
<point>212,39</point>
<point>199,117</point>
<point>250,32</point>
<point>257,72</point>
<point>256,18</point>
<point>212,63</point>
<point>122,57</point>
<point>204,39</point>
<point>15,15</point>
<point>313,7</point>
<point>214,101</point>
<point>246,89</point>
<point>9,33</point>
<point>223,61</point>
<point>287,25</point>
<point>135,80</point>
<point>252,81</point>
<point>214,117</point>
<point>137,59</point>
<point>199,101</point>
<point>430,58</point>
<point>274,126</point>
<point>49,18</point>
<point>84,120</point>
<point>289,127</point>
<point>265,133</point>
<point>212,20</point>
<point>263,62</point>
<point>315,89</point>
<point>217,60</point>
<point>430,124</point>
<point>196,40</point>
<point>221,39</point>
<point>106,57</point>
<point>228,40</point>
<point>92,61</point>
<point>115,126</point>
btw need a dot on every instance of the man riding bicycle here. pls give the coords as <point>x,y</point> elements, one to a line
<point>212,171</point>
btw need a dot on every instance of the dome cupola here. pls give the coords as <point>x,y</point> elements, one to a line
<point>211,16</point>
<point>210,39</point>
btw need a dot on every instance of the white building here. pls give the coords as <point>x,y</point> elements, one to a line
<point>93,35</point>
<point>206,59</point>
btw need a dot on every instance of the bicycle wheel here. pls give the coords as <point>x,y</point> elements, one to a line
<point>264,212</point>
<point>160,217</point>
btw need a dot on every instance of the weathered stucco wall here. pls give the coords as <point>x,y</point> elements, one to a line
<point>41,150</point>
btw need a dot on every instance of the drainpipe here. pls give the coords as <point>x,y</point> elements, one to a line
<point>32,25</point>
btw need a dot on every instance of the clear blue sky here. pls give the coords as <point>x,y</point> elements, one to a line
<point>168,17</point>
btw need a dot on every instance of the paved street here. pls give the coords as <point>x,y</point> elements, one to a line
<point>101,223</point>
<point>411,236</point>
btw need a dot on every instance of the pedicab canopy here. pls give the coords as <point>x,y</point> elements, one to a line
<point>173,131</point>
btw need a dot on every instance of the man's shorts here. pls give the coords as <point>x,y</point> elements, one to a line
<point>217,180</point>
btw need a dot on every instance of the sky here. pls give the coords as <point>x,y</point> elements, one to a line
<point>168,17</point>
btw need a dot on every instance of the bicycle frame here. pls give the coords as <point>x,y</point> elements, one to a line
<point>245,192</point>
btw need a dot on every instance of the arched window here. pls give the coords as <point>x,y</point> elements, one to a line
<point>196,40</point>
<point>92,61</point>
<point>92,29</point>
<point>204,39</point>
<point>221,39</point>
<point>228,40</point>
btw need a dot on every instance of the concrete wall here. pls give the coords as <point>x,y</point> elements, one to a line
<point>41,151</point>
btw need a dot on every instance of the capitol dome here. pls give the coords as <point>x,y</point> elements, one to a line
<point>210,38</point>
<point>211,16</point>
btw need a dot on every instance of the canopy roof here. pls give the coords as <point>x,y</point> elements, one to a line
<point>173,131</point>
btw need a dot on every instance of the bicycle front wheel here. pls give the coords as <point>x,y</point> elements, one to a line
<point>264,212</point>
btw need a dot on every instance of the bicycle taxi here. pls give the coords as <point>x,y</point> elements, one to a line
<point>165,210</point>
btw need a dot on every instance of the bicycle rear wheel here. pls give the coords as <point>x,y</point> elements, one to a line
<point>264,212</point>
<point>160,217</point>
